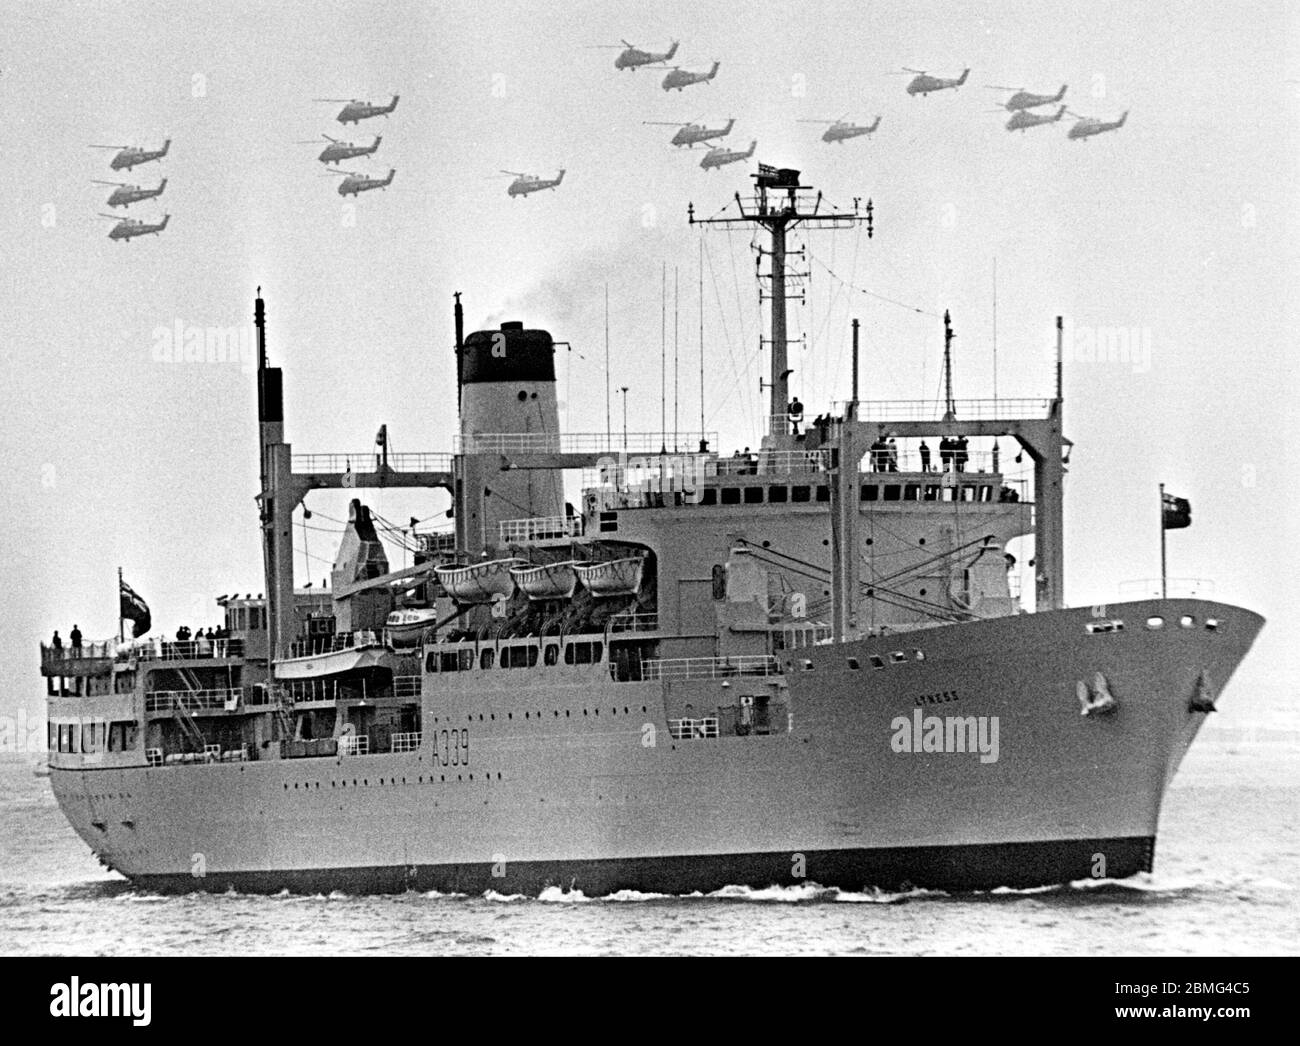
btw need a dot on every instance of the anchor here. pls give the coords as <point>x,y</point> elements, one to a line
<point>1098,701</point>
<point>1202,699</point>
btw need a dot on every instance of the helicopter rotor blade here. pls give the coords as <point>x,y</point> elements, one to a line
<point>111,217</point>
<point>995,87</point>
<point>96,181</point>
<point>918,72</point>
<point>517,174</point>
<point>110,147</point>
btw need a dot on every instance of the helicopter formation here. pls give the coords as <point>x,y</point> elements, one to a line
<point>1021,102</point>
<point>123,194</point>
<point>354,182</point>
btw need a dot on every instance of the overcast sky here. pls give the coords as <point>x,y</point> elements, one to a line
<point>1181,227</point>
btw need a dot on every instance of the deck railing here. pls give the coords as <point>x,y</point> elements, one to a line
<point>368,461</point>
<point>188,650</point>
<point>191,700</point>
<point>407,742</point>
<point>540,528</point>
<point>683,668</point>
<point>575,442</point>
<point>693,729</point>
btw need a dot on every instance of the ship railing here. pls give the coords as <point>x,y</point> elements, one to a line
<point>572,442</point>
<point>799,637</point>
<point>675,669</point>
<point>688,729</point>
<point>934,410</point>
<point>159,649</point>
<point>368,461</point>
<point>354,744</point>
<point>407,742</point>
<point>153,757</point>
<point>52,656</point>
<point>777,462</point>
<point>1174,588</point>
<point>330,644</point>
<point>191,700</point>
<point>640,621</point>
<point>407,686</point>
<point>539,528</point>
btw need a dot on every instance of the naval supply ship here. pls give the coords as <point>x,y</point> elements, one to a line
<point>810,663</point>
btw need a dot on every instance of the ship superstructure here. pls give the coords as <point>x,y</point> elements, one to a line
<point>809,662</point>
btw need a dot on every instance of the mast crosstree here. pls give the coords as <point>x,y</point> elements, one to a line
<point>779,203</point>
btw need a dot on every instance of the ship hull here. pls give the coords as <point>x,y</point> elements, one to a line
<point>949,868</point>
<point>566,778</point>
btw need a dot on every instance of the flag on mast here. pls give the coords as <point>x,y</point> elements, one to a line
<point>1177,512</point>
<point>134,609</point>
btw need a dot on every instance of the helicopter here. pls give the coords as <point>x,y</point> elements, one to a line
<point>1087,126</point>
<point>719,156</point>
<point>526,183</point>
<point>678,77</point>
<point>355,112</point>
<point>923,83</point>
<point>1022,119</point>
<point>132,155</point>
<point>355,183</point>
<point>689,134</point>
<point>632,57</point>
<point>1022,99</point>
<point>127,228</point>
<point>841,131</point>
<point>338,150</point>
<point>125,195</point>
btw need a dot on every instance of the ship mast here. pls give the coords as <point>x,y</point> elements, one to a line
<point>778,205</point>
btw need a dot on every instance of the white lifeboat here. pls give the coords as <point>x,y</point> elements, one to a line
<point>406,627</point>
<point>613,577</point>
<point>479,582</point>
<point>548,581</point>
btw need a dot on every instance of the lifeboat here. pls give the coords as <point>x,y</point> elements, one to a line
<point>365,650</point>
<point>407,627</point>
<point>548,581</point>
<point>479,582</point>
<point>613,577</point>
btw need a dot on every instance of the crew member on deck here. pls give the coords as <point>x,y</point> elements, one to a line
<point>56,643</point>
<point>879,453</point>
<point>960,454</point>
<point>892,450</point>
<point>945,453</point>
<point>75,636</point>
<point>925,456</point>
<point>795,411</point>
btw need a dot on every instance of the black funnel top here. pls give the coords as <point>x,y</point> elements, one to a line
<point>510,354</point>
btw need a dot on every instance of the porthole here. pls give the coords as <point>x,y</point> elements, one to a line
<point>918,654</point>
<point>1186,621</point>
<point>854,664</point>
<point>1155,621</point>
<point>1212,624</point>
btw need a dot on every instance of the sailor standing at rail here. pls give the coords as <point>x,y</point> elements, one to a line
<point>925,456</point>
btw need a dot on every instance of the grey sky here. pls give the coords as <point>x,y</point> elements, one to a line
<point>1183,225</point>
